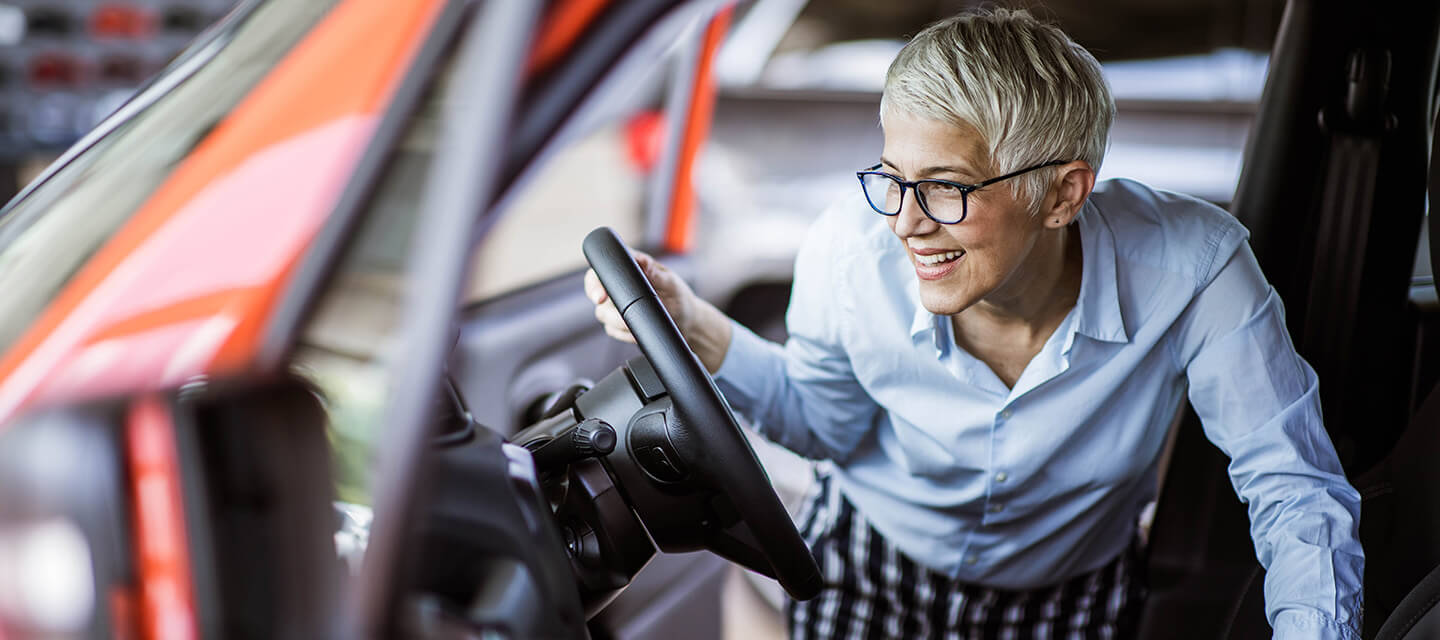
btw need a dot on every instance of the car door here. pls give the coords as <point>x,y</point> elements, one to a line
<point>525,331</point>
<point>528,333</point>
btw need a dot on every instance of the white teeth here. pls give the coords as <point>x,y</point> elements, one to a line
<point>938,257</point>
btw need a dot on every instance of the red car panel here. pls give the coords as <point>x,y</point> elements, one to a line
<point>189,281</point>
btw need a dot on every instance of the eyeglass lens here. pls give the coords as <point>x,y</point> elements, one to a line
<point>944,202</point>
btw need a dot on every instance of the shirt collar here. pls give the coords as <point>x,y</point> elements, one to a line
<point>1098,305</point>
<point>1097,310</point>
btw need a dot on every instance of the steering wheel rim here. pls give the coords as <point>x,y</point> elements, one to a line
<point>708,429</point>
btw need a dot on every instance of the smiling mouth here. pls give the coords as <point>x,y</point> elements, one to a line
<point>936,259</point>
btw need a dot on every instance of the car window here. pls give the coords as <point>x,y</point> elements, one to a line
<point>50,234</point>
<point>350,336</point>
<point>587,184</point>
<point>345,345</point>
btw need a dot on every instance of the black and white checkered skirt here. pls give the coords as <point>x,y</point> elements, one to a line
<point>874,591</point>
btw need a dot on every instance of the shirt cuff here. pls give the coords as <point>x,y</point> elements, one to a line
<point>1292,624</point>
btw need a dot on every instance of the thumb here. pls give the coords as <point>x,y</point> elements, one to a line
<point>593,289</point>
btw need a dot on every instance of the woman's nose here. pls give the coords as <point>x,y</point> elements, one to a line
<point>911,220</point>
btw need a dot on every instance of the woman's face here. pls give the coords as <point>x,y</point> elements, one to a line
<point>985,256</point>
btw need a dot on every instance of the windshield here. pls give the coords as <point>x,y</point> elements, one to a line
<point>50,234</point>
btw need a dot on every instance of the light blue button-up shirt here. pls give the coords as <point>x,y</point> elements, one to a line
<point>1027,486</point>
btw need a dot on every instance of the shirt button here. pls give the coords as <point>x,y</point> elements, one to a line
<point>1002,476</point>
<point>972,559</point>
<point>1005,415</point>
<point>996,508</point>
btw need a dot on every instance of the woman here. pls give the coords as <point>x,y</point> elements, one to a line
<point>992,361</point>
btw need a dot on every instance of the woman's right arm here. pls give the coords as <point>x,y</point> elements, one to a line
<point>804,395</point>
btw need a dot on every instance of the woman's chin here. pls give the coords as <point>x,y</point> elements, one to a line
<point>942,300</point>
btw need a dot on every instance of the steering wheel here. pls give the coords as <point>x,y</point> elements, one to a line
<point>704,434</point>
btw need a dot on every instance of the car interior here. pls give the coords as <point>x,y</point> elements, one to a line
<point>1335,188</point>
<point>416,468</point>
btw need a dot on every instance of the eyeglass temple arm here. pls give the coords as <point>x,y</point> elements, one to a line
<point>1022,171</point>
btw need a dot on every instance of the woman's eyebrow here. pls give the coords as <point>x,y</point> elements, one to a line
<point>930,171</point>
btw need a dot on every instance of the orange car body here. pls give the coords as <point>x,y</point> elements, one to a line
<point>186,287</point>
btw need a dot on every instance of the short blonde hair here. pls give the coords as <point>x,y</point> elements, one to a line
<point>1031,92</point>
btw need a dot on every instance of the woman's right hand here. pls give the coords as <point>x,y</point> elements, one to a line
<point>705,328</point>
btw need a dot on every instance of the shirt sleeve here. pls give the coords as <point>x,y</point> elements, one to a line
<point>1258,401</point>
<point>804,395</point>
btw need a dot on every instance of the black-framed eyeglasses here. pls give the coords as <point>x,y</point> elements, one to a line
<point>943,201</point>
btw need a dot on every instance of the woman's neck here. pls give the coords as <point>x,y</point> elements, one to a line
<point>1041,292</point>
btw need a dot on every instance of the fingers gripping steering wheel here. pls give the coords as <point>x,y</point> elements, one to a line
<point>704,432</point>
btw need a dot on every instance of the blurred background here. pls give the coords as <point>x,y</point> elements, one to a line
<point>66,64</point>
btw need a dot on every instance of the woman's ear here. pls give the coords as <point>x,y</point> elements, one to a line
<point>1072,185</point>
